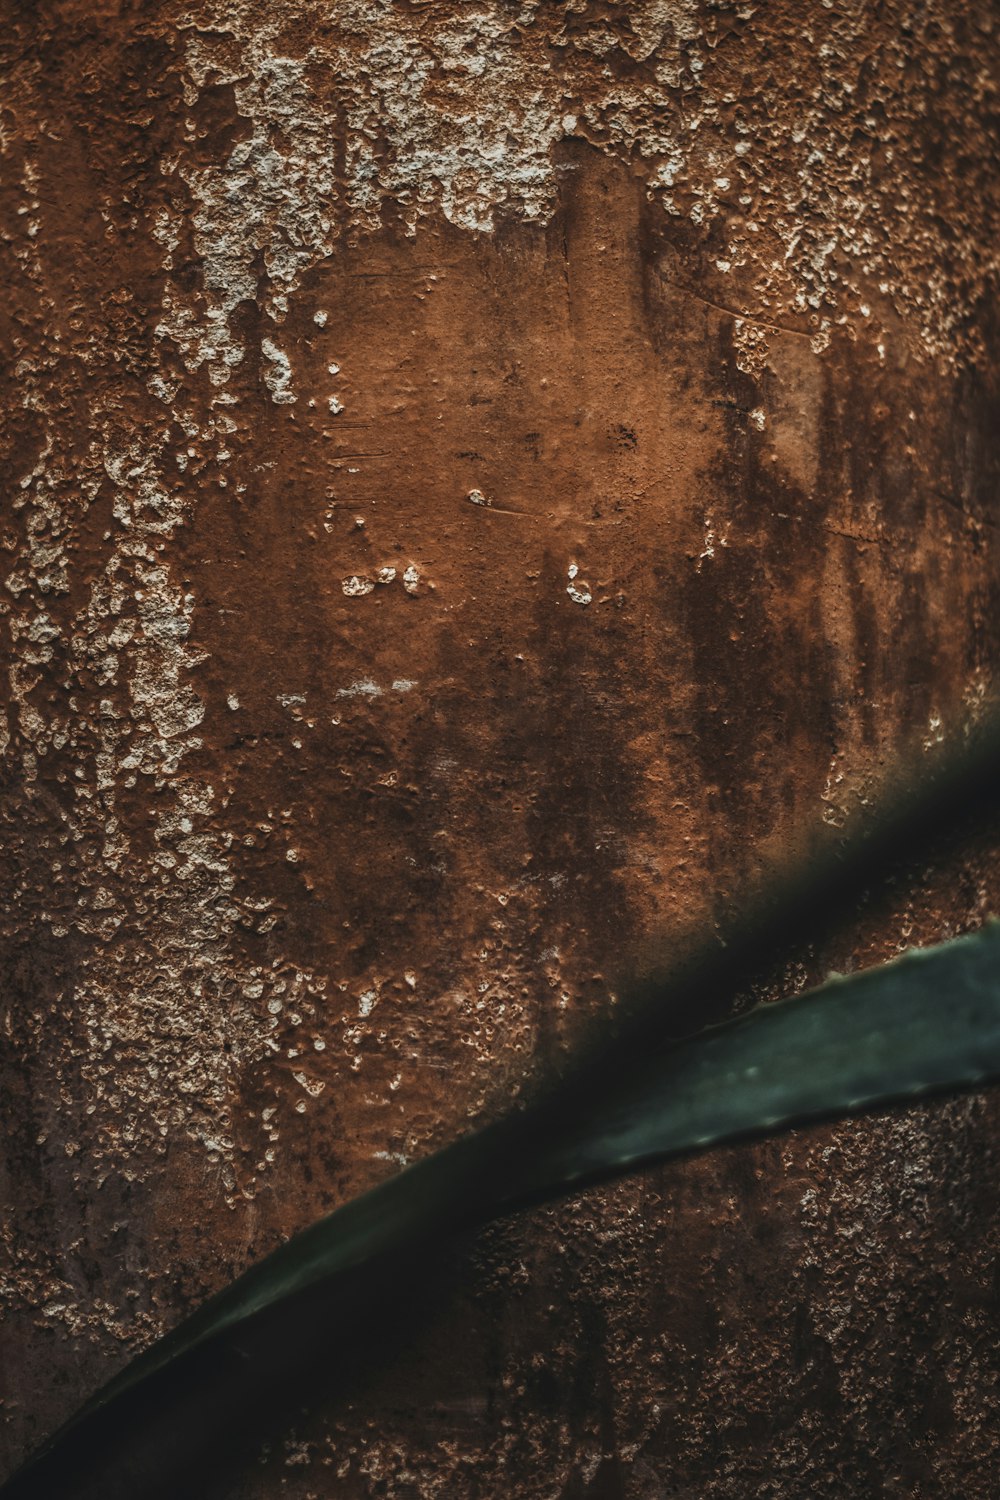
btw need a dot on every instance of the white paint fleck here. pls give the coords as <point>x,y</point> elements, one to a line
<point>277,373</point>
<point>411,579</point>
<point>579,593</point>
<point>355,587</point>
<point>935,734</point>
<point>313,1086</point>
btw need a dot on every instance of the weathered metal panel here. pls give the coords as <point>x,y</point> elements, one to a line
<point>474,476</point>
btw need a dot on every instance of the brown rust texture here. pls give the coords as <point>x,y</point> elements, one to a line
<point>473,476</point>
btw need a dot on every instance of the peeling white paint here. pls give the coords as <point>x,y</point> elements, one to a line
<point>277,373</point>
<point>462,114</point>
<point>578,592</point>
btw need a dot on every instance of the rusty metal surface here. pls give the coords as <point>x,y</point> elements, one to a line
<point>473,476</point>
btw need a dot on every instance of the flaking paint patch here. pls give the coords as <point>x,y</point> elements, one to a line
<point>182,984</point>
<point>463,114</point>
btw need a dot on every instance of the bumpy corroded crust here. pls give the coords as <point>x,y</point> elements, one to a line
<point>472,473</point>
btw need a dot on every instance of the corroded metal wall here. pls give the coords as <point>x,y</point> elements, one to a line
<point>473,476</point>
